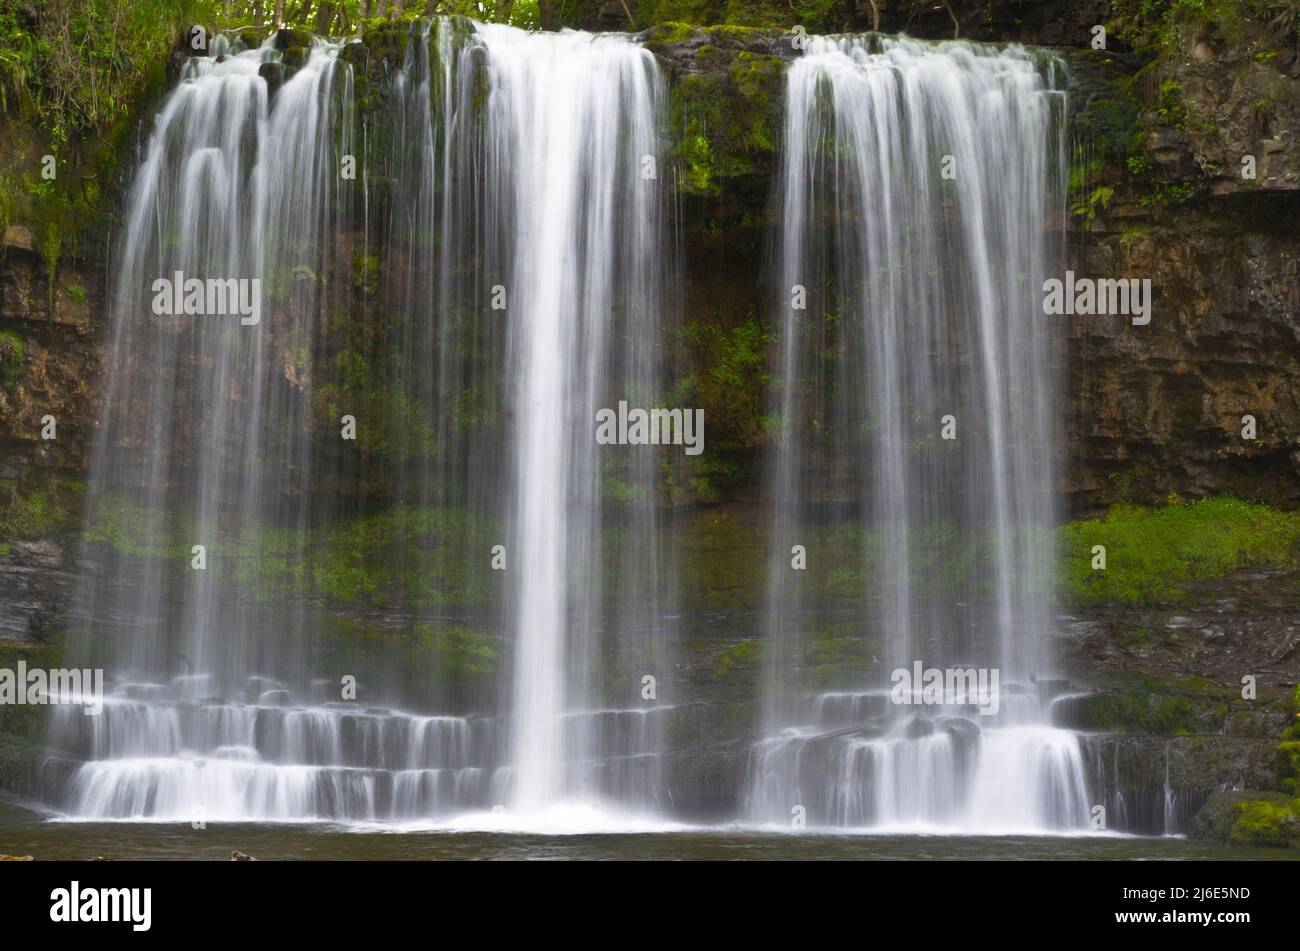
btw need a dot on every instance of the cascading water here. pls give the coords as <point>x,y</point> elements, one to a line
<point>570,125</point>
<point>921,194</point>
<point>495,268</point>
<point>512,168</point>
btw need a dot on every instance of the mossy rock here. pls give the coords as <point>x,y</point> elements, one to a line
<point>1288,766</point>
<point>815,16</point>
<point>726,118</point>
<point>1260,819</point>
<point>1136,711</point>
<point>25,724</point>
<point>738,659</point>
<point>289,38</point>
<point>386,41</point>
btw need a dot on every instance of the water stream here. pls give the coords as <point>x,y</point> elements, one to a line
<point>921,205</point>
<point>522,266</point>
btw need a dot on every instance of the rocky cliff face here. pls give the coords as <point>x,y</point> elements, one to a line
<point>1191,180</point>
<point>1157,191</point>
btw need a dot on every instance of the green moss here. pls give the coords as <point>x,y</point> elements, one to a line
<point>1288,751</point>
<point>816,16</point>
<point>614,486</point>
<point>836,659</point>
<point>414,552</point>
<point>1288,766</point>
<point>1171,106</point>
<point>1266,822</point>
<point>740,657</point>
<point>386,40</point>
<point>366,273</point>
<point>8,195</point>
<point>38,515</point>
<point>1153,554</point>
<point>721,561</point>
<point>1169,193</point>
<point>725,120</point>
<point>50,246</point>
<point>1142,711</point>
<point>414,555</point>
<point>132,529</point>
<point>731,384</point>
<point>25,723</point>
<point>12,353</point>
<point>461,655</point>
<point>1132,236</point>
<point>709,475</point>
<point>670,32</point>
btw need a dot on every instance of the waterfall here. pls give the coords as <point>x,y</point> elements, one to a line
<point>570,124</point>
<point>456,266</point>
<point>921,205</point>
<point>496,255</point>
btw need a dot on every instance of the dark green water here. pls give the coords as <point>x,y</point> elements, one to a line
<point>23,833</point>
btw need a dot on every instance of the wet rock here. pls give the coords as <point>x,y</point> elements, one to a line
<point>918,727</point>
<point>961,727</point>
<point>18,236</point>
<point>1249,818</point>
<point>34,587</point>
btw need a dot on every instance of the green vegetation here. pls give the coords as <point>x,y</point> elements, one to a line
<point>725,120</point>
<point>37,515</point>
<point>1266,822</point>
<point>73,79</point>
<point>460,655</point>
<point>1099,197</point>
<point>132,529</point>
<point>414,556</point>
<point>1111,125</point>
<point>1145,709</point>
<point>743,656</point>
<point>410,555</point>
<point>1288,751</point>
<point>12,353</point>
<point>731,387</point>
<point>24,723</point>
<point>77,67</point>
<point>1153,554</point>
<point>722,562</point>
<point>836,657</point>
<point>1271,819</point>
<point>816,16</point>
<point>1165,24</point>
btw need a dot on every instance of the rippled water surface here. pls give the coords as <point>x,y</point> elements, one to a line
<point>25,833</point>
